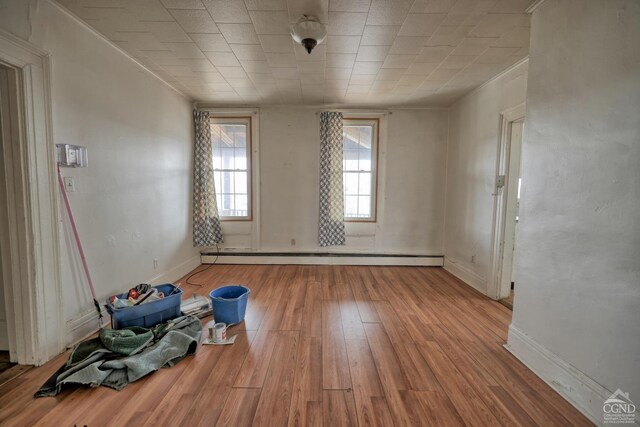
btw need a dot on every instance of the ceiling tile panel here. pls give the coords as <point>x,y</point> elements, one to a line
<point>409,52</point>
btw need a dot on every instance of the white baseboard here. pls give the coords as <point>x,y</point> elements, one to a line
<point>576,387</point>
<point>471,278</point>
<point>436,261</point>
<point>86,323</point>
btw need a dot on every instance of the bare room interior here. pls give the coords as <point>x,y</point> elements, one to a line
<point>319,212</point>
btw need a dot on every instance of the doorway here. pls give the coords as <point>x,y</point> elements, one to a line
<point>503,277</point>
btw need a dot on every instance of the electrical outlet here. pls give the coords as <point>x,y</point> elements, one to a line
<point>69,184</point>
<point>155,263</point>
<point>473,259</point>
<point>293,242</point>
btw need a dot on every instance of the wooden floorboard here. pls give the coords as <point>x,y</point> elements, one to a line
<point>323,346</point>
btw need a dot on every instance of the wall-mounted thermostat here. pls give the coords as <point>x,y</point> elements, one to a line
<point>72,156</point>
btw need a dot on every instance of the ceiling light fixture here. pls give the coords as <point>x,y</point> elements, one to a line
<point>309,32</point>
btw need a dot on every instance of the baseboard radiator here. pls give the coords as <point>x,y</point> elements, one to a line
<point>323,258</point>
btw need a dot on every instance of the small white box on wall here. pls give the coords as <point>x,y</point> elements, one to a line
<point>71,156</point>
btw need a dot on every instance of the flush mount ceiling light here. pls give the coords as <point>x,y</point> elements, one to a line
<point>309,32</point>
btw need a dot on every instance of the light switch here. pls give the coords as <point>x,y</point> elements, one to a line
<point>69,184</point>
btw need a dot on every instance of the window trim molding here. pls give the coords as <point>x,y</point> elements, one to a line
<point>249,120</point>
<point>375,164</point>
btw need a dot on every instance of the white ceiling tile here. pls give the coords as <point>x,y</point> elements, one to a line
<point>349,5</point>
<point>341,60</point>
<point>362,79</point>
<point>342,44</point>
<point>432,6</point>
<point>388,12</point>
<point>496,25</point>
<point>442,74</point>
<point>421,68</point>
<point>472,7</point>
<point>286,73</point>
<point>239,33</point>
<point>182,4</point>
<point>232,72</point>
<point>511,6</point>
<point>228,11</point>
<point>337,84</point>
<point>199,65</point>
<point>163,57</point>
<point>311,67</point>
<point>428,85</point>
<point>379,35</point>
<point>185,50</point>
<point>372,53</point>
<point>270,22</point>
<point>223,59</point>
<point>266,4</point>
<point>240,83</point>
<point>211,42</point>
<point>358,89</point>
<point>496,55</point>
<point>195,21</point>
<point>312,79</point>
<point>408,45</point>
<point>474,45</point>
<point>280,44</point>
<point>515,37</point>
<point>256,66</point>
<point>167,32</point>
<point>392,74</point>
<point>337,73</point>
<point>130,49</point>
<point>346,23</point>
<point>278,60</point>
<point>398,61</point>
<point>434,53</point>
<point>210,77</point>
<point>421,24</point>
<point>142,41</point>
<point>384,85</point>
<point>178,70</point>
<point>449,36</point>
<point>147,10</point>
<point>251,52</point>
<point>457,61</point>
<point>366,67</point>
<point>262,79</point>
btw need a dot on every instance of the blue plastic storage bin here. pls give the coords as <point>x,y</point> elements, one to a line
<point>229,303</point>
<point>148,314</point>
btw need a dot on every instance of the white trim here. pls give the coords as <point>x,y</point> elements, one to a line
<point>35,293</point>
<point>324,260</point>
<point>468,276</point>
<point>86,323</point>
<point>345,108</point>
<point>495,288</point>
<point>536,4</point>
<point>575,386</point>
<point>491,80</point>
<point>100,36</point>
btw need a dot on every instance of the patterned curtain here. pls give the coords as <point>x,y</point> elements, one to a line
<point>206,222</point>
<point>331,230</point>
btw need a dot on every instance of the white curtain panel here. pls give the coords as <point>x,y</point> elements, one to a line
<point>331,228</point>
<point>206,222</point>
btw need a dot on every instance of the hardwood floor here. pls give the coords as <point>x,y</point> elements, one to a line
<point>323,345</point>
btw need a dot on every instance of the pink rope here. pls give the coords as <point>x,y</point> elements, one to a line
<point>77,236</point>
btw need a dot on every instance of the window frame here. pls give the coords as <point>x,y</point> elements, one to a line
<point>245,121</point>
<point>375,123</point>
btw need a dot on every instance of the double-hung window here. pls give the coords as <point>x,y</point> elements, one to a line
<point>231,143</point>
<point>360,152</point>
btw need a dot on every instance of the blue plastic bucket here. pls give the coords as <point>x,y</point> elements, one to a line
<point>229,303</point>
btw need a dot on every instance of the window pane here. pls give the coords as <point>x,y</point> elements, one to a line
<point>241,183</point>
<point>227,158</point>
<point>350,158</point>
<point>364,160</point>
<point>217,158</point>
<point>226,185</point>
<point>240,136</point>
<point>365,137</point>
<point>351,206</point>
<point>241,205</point>
<point>351,183</point>
<point>227,203</point>
<point>240,158</point>
<point>216,181</point>
<point>364,206</point>
<point>364,188</point>
<point>215,136</point>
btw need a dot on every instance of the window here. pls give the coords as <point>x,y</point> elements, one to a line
<point>231,140</point>
<point>360,151</point>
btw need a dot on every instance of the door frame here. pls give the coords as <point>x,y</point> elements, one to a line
<point>500,261</point>
<point>31,267</point>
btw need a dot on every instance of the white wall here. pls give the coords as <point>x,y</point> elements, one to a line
<point>578,291</point>
<point>132,204</point>
<point>411,183</point>
<point>471,172</point>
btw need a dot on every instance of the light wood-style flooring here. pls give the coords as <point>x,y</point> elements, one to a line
<point>323,345</point>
